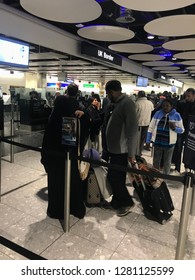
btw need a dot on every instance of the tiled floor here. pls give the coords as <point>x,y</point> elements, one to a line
<point>101,235</point>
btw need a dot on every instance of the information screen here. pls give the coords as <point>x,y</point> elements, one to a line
<point>14,53</point>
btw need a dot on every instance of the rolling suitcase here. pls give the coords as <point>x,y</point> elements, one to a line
<point>153,194</point>
<point>93,196</point>
<point>98,192</point>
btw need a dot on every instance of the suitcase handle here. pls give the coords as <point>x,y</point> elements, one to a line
<point>135,165</point>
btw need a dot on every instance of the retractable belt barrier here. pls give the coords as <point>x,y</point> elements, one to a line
<point>188,202</point>
<point>19,249</point>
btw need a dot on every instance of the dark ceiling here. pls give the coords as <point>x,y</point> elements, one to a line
<point>111,13</point>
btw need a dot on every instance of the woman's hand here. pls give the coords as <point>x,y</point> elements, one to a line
<point>172,125</point>
<point>79,113</point>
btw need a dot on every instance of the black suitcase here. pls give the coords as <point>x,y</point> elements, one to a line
<point>156,201</point>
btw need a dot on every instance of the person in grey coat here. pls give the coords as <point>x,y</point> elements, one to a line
<point>121,138</point>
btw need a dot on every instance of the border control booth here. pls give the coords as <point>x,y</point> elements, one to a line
<point>34,112</point>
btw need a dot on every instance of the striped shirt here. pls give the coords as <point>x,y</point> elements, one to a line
<point>162,135</point>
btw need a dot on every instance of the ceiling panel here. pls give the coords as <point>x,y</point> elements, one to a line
<point>73,11</point>
<point>171,22</point>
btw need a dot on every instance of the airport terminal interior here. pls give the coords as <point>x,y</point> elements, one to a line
<point>100,41</point>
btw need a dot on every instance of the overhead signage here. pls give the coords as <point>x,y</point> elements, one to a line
<point>57,85</point>
<point>88,85</point>
<point>100,53</point>
<point>189,148</point>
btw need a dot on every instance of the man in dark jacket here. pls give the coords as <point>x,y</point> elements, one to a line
<point>121,138</point>
<point>185,107</point>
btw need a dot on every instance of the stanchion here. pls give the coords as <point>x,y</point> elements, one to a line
<point>67,193</point>
<point>0,169</point>
<point>184,217</point>
<point>192,209</point>
<point>11,146</point>
<point>12,132</point>
<point>17,115</point>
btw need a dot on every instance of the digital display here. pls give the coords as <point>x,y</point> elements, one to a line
<point>14,53</point>
<point>174,89</point>
<point>141,82</point>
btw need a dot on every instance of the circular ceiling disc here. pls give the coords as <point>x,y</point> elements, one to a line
<point>105,33</point>
<point>158,63</point>
<point>180,44</point>
<point>179,75</point>
<point>146,57</point>
<point>169,26</point>
<point>166,68</point>
<point>153,5</point>
<point>74,11</point>
<point>173,72</point>
<point>188,62</point>
<point>191,68</point>
<point>131,48</point>
<point>185,55</point>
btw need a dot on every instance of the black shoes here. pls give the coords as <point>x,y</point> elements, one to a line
<point>123,211</point>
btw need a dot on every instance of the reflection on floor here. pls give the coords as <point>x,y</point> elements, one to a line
<point>101,235</point>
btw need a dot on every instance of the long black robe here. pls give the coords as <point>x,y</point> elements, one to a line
<point>55,165</point>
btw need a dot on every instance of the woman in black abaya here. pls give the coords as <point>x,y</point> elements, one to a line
<point>55,165</point>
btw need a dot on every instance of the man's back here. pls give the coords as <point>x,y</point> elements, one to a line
<point>121,132</point>
<point>144,109</point>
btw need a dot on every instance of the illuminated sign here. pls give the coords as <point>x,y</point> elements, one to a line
<point>100,53</point>
<point>88,85</point>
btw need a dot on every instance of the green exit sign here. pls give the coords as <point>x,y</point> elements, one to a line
<point>88,85</point>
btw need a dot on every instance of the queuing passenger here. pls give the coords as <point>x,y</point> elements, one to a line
<point>57,94</point>
<point>64,106</point>
<point>94,114</point>
<point>107,111</point>
<point>144,109</point>
<point>185,107</point>
<point>162,131</point>
<point>34,95</point>
<point>121,138</point>
<point>105,103</point>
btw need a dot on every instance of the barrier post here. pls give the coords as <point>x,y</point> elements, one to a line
<point>11,146</point>
<point>67,193</point>
<point>0,168</point>
<point>192,209</point>
<point>12,132</point>
<point>17,115</point>
<point>184,217</point>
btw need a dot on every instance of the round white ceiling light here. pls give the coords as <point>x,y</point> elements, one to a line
<point>74,11</point>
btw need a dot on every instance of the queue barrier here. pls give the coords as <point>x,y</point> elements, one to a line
<point>19,249</point>
<point>188,200</point>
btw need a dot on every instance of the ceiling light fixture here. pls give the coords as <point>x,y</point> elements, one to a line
<point>79,25</point>
<point>125,16</point>
<point>150,36</point>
